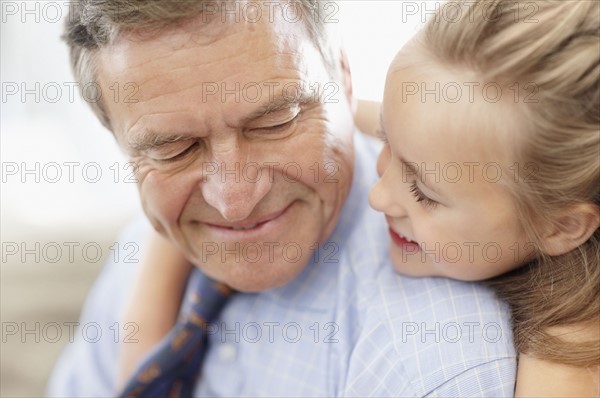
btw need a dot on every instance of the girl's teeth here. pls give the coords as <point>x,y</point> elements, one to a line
<point>405,238</point>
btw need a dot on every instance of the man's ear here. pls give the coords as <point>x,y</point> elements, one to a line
<point>572,229</point>
<point>346,79</point>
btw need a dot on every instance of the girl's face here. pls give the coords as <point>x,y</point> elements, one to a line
<point>447,155</point>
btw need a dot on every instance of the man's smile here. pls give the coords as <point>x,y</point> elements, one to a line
<point>253,227</point>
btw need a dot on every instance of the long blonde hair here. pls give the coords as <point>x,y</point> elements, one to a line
<point>556,46</point>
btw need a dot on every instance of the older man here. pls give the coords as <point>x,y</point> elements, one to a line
<point>240,121</point>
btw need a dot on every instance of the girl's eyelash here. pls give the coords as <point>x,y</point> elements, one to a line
<point>420,196</point>
<point>382,136</point>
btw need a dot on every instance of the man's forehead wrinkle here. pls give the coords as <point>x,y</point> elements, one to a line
<point>165,93</point>
<point>128,52</point>
<point>194,31</point>
<point>277,79</point>
<point>203,64</point>
<point>183,67</point>
<point>137,125</point>
<point>139,53</point>
<point>165,77</point>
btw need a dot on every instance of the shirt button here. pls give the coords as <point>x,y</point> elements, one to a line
<point>227,352</point>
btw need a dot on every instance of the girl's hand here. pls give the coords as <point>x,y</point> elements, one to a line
<point>367,117</point>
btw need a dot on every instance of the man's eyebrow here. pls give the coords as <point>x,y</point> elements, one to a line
<point>278,104</point>
<point>151,139</point>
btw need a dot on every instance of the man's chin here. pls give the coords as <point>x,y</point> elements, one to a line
<point>257,287</point>
<point>254,278</point>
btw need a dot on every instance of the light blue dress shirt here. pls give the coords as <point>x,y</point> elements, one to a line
<point>348,325</point>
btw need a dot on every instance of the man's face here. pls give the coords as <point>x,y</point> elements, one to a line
<point>241,163</point>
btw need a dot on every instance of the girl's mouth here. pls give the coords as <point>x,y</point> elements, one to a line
<point>403,242</point>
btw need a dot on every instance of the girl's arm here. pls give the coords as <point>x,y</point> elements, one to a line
<point>154,303</point>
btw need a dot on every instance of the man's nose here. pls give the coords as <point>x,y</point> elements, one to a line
<point>236,189</point>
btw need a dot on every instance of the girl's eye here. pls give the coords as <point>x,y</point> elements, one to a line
<point>382,136</point>
<point>421,197</point>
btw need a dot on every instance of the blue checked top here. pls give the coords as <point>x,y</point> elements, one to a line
<point>348,325</point>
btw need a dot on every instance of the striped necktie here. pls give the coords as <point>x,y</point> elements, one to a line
<point>173,366</point>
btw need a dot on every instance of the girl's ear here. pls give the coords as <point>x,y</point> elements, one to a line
<point>572,229</point>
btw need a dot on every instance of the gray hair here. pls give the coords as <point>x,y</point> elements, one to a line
<point>93,24</point>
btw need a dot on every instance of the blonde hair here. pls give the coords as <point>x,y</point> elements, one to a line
<point>555,46</point>
<point>93,24</point>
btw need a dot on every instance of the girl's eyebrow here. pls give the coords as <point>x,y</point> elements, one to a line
<point>414,169</point>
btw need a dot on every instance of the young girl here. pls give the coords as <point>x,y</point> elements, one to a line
<point>490,171</point>
<point>492,154</point>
